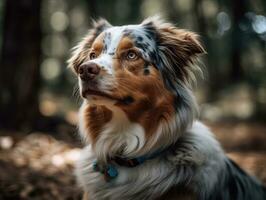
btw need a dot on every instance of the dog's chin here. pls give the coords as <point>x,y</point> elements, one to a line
<point>97,96</point>
<point>88,93</point>
<point>101,97</point>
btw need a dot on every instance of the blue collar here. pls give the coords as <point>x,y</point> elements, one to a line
<point>110,172</point>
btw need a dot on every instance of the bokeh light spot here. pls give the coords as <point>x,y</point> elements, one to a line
<point>50,69</point>
<point>224,22</point>
<point>59,21</point>
<point>259,24</point>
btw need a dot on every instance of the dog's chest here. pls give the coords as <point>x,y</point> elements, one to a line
<point>99,189</point>
<point>146,181</point>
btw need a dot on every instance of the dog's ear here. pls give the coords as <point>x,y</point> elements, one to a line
<point>177,50</point>
<point>80,52</point>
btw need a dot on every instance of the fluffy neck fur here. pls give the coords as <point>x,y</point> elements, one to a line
<point>122,137</point>
<point>183,166</point>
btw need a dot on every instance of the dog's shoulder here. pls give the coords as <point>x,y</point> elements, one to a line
<point>197,147</point>
<point>238,185</point>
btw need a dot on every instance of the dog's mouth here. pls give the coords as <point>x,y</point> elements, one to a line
<point>90,92</point>
<point>97,93</point>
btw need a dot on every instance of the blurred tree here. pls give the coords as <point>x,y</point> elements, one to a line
<point>20,60</point>
<point>238,16</point>
<point>115,11</point>
<point>92,8</point>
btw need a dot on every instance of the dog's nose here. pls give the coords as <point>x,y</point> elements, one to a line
<point>88,71</point>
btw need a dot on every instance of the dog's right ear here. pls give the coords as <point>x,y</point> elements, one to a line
<point>81,51</point>
<point>177,51</point>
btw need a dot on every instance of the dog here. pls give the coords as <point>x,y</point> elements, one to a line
<point>138,119</point>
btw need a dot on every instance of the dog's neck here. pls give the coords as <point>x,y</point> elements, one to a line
<point>119,136</point>
<point>195,148</point>
<point>109,170</point>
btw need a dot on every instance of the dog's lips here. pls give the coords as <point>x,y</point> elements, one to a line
<point>124,101</point>
<point>91,89</point>
<point>90,92</point>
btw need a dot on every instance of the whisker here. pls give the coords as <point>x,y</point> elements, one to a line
<point>76,93</point>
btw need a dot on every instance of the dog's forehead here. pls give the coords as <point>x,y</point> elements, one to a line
<point>139,35</point>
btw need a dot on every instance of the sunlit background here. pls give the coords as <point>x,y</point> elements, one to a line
<point>234,36</point>
<point>38,108</point>
<point>233,32</point>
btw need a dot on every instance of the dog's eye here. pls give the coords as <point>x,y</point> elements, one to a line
<point>131,55</point>
<point>93,55</point>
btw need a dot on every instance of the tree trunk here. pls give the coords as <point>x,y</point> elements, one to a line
<point>238,43</point>
<point>20,61</point>
<point>92,8</point>
<point>210,63</point>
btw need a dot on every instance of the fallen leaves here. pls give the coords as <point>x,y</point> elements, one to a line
<point>40,165</point>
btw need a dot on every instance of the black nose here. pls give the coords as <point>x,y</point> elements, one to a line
<point>88,71</point>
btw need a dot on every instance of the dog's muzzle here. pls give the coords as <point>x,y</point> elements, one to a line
<point>89,74</point>
<point>88,71</point>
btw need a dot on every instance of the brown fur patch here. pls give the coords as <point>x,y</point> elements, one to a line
<point>98,45</point>
<point>149,109</point>
<point>152,102</point>
<point>125,43</point>
<point>95,117</point>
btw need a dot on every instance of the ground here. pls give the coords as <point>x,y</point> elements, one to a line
<point>39,165</point>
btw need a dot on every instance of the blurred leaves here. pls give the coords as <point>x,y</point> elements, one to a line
<point>39,165</point>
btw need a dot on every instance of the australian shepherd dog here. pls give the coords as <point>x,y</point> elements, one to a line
<point>139,122</point>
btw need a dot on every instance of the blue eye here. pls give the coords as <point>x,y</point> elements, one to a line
<point>131,55</point>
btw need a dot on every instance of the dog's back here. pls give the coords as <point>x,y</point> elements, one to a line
<point>238,185</point>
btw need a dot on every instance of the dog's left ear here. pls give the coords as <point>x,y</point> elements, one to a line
<point>81,51</point>
<point>177,49</point>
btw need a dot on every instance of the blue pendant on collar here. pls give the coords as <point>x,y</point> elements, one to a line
<point>109,171</point>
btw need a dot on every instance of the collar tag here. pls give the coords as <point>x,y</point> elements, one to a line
<point>109,171</point>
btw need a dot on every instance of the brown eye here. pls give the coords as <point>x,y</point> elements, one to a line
<point>92,55</point>
<point>131,55</point>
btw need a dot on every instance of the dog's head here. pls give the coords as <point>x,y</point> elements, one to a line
<point>138,78</point>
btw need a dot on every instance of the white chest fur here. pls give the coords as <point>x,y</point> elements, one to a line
<point>194,163</point>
